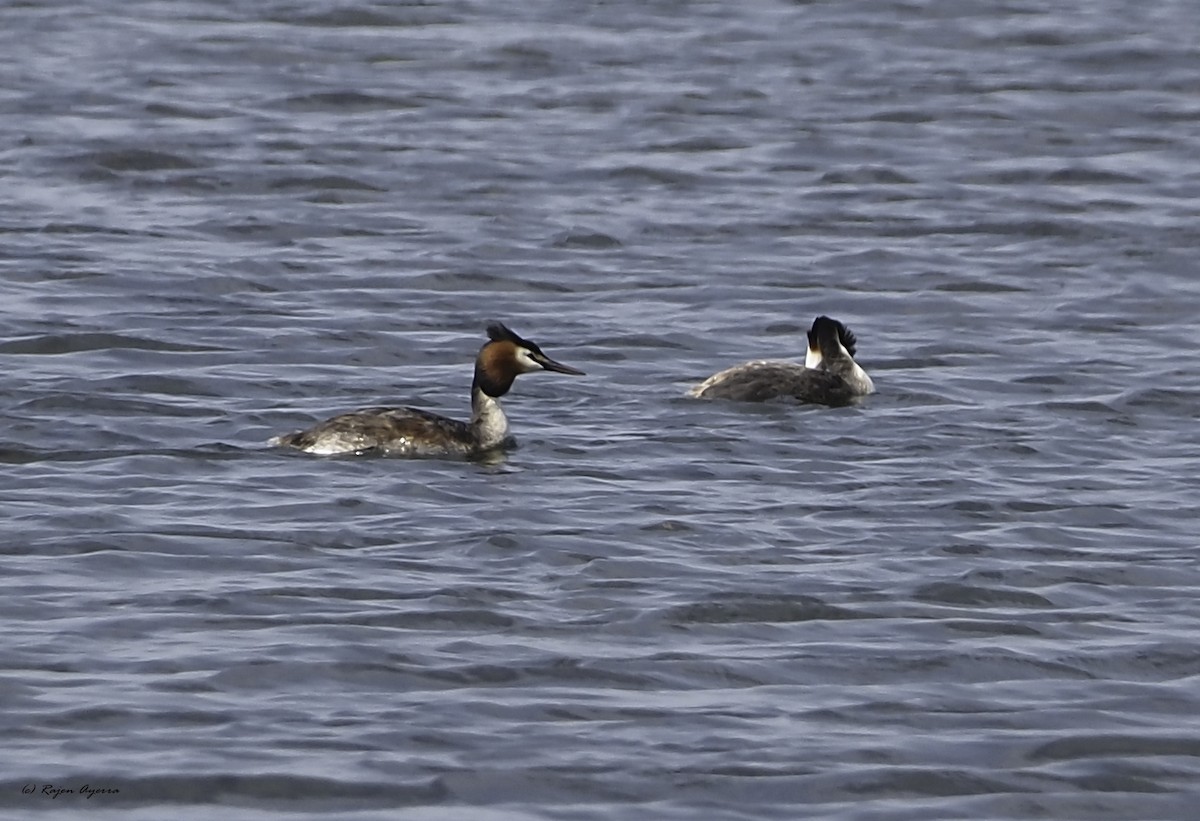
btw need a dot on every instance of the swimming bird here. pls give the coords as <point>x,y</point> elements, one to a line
<point>415,433</point>
<point>829,375</point>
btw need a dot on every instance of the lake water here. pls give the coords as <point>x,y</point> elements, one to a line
<point>975,595</point>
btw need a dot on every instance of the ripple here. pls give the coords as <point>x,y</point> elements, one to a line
<point>866,175</point>
<point>346,100</point>
<point>963,594</point>
<point>586,240</point>
<point>135,159</point>
<point>328,182</point>
<point>1108,746</point>
<point>60,344</point>
<point>734,609</point>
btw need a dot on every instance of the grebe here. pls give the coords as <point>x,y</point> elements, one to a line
<point>413,432</point>
<point>829,375</point>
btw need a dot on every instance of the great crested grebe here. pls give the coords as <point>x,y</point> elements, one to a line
<point>829,375</point>
<point>413,432</point>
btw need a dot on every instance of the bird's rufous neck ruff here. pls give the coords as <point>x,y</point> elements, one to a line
<point>493,376</point>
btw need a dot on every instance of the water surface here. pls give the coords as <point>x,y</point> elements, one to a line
<point>974,595</point>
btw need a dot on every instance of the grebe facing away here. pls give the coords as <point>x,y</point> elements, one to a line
<point>829,375</point>
<point>413,432</point>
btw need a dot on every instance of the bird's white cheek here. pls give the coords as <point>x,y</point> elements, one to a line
<point>526,361</point>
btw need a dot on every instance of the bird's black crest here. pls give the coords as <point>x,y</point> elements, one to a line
<point>499,332</point>
<point>845,335</point>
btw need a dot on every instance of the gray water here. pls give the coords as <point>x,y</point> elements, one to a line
<point>973,596</point>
